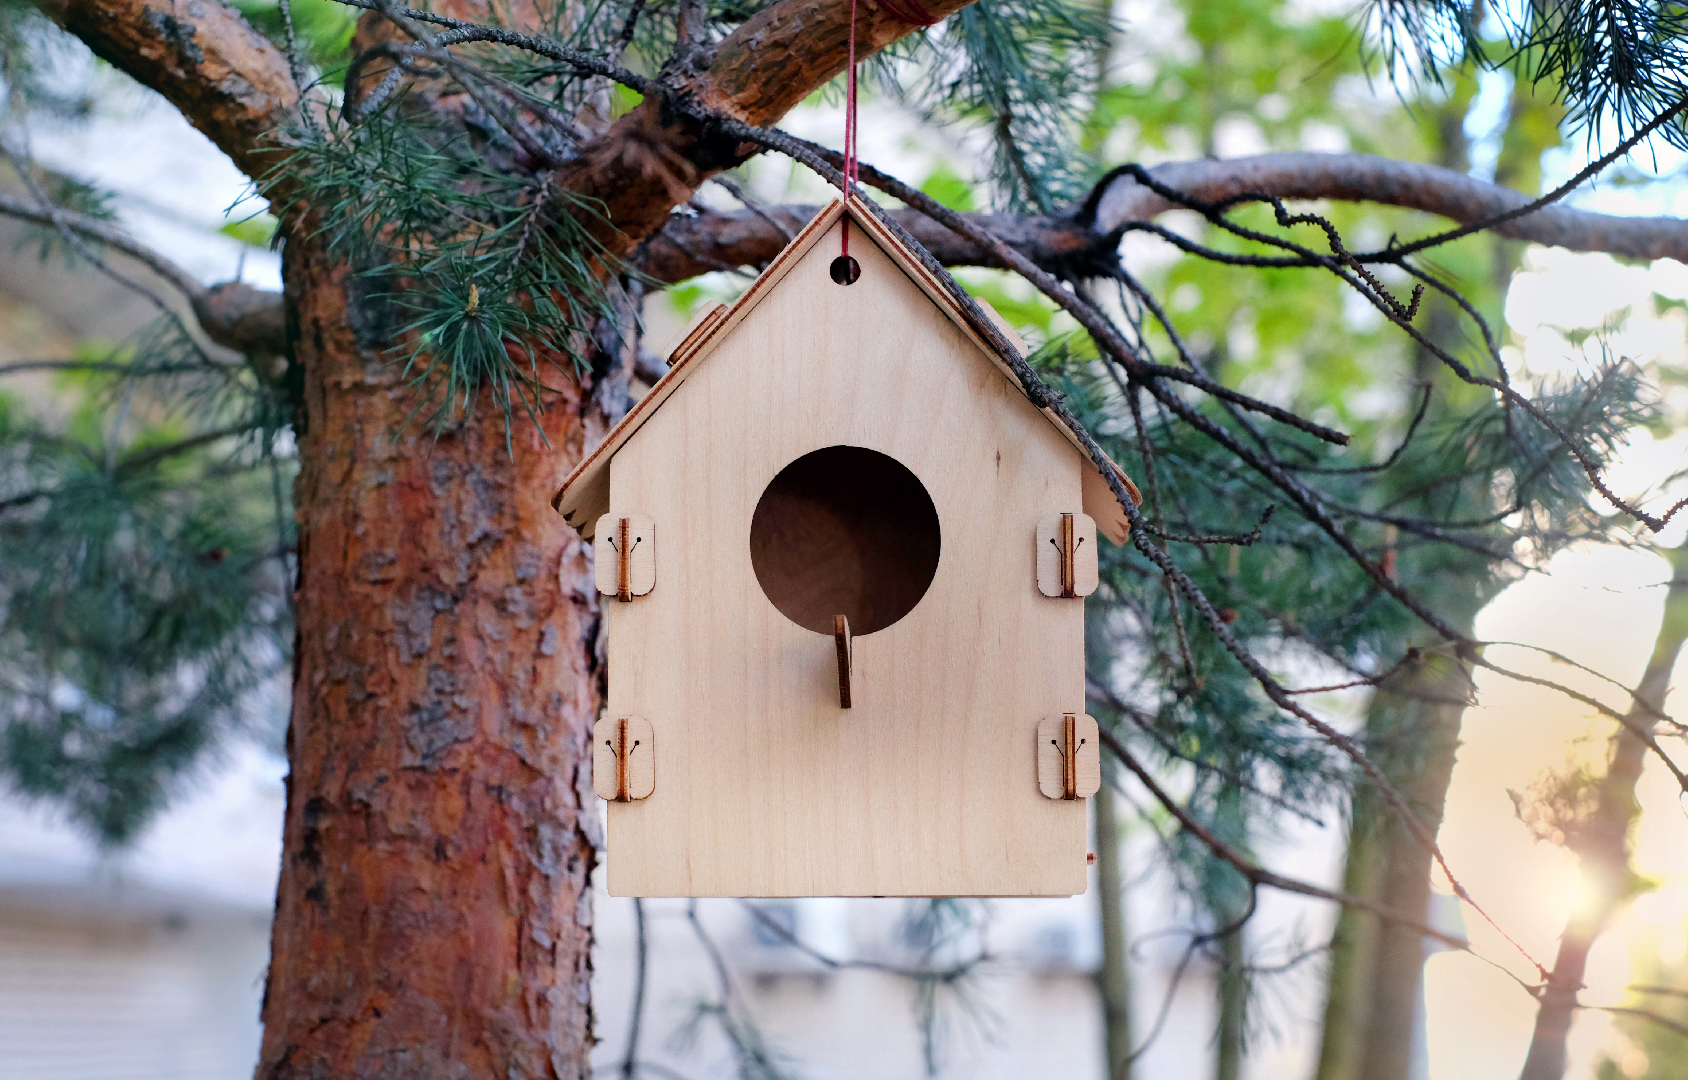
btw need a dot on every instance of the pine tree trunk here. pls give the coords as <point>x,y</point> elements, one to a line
<point>1353,948</point>
<point>1604,850</point>
<point>1229,906</point>
<point>434,911</point>
<point>1377,971</point>
<point>1113,980</point>
<point>1357,976</point>
<point>1233,1009</point>
<point>1429,743</point>
<point>1397,987</point>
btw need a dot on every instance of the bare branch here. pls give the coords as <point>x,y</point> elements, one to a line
<point>948,973</point>
<point>228,80</point>
<point>106,234</point>
<point>1104,696</point>
<point>693,244</point>
<point>1253,872</point>
<point>656,156</point>
<point>463,31</point>
<point>153,455</point>
<point>233,315</point>
<point>1119,200</point>
<point>114,367</point>
<point>1345,267</point>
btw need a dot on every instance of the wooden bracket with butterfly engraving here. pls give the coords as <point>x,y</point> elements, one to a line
<point>1066,555</point>
<point>623,758</point>
<point>1069,759</point>
<point>624,550</point>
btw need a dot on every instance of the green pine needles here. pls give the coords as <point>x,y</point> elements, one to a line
<point>1474,498</point>
<point>491,274</point>
<point>141,606</point>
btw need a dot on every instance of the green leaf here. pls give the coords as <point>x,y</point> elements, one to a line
<point>944,185</point>
<point>257,231</point>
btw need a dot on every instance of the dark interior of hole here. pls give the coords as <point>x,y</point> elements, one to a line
<point>848,531</point>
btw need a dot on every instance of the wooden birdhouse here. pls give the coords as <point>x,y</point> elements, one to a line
<point>843,560</point>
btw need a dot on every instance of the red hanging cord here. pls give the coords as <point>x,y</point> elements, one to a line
<point>844,270</point>
<point>849,129</point>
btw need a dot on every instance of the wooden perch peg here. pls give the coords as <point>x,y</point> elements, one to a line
<point>623,758</point>
<point>1069,759</point>
<point>624,546</point>
<point>1066,556</point>
<point>846,658</point>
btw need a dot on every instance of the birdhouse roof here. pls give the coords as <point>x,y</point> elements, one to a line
<point>585,495</point>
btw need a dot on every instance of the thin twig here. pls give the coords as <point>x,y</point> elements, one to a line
<point>534,43</point>
<point>1595,167</point>
<point>943,975</point>
<point>1665,1022</point>
<point>1257,874</point>
<point>1105,696</point>
<point>630,1063</point>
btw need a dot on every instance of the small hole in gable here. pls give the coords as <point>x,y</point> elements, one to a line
<point>845,531</point>
<point>845,270</point>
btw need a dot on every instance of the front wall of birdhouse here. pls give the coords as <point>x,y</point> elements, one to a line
<point>927,784</point>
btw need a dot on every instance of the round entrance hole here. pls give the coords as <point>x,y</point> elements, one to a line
<point>844,530</point>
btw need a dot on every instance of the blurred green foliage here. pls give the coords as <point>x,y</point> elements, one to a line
<point>322,30</point>
<point>143,596</point>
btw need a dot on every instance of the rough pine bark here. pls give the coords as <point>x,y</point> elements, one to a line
<point>434,913</point>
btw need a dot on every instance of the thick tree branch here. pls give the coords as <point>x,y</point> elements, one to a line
<point>655,157</point>
<point>694,244</point>
<point>1364,178</point>
<point>236,316</point>
<point>227,79</point>
<point>1084,241</point>
<point>688,245</point>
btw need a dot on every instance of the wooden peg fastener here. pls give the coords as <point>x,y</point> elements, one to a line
<point>1066,556</point>
<point>624,546</point>
<point>1069,761</point>
<point>624,565</point>
<point>846,648</point>
<point>623,758</point>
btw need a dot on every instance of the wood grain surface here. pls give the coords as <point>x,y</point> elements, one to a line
<point>927,784</point>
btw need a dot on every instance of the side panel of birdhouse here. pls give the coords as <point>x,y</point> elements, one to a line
<point>928,783</point>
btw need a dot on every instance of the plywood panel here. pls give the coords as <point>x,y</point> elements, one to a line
<point>927,785</point>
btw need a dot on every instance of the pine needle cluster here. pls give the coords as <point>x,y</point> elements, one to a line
<point>490,273</point>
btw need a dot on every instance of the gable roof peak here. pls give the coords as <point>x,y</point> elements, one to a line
<point>585,494</point>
